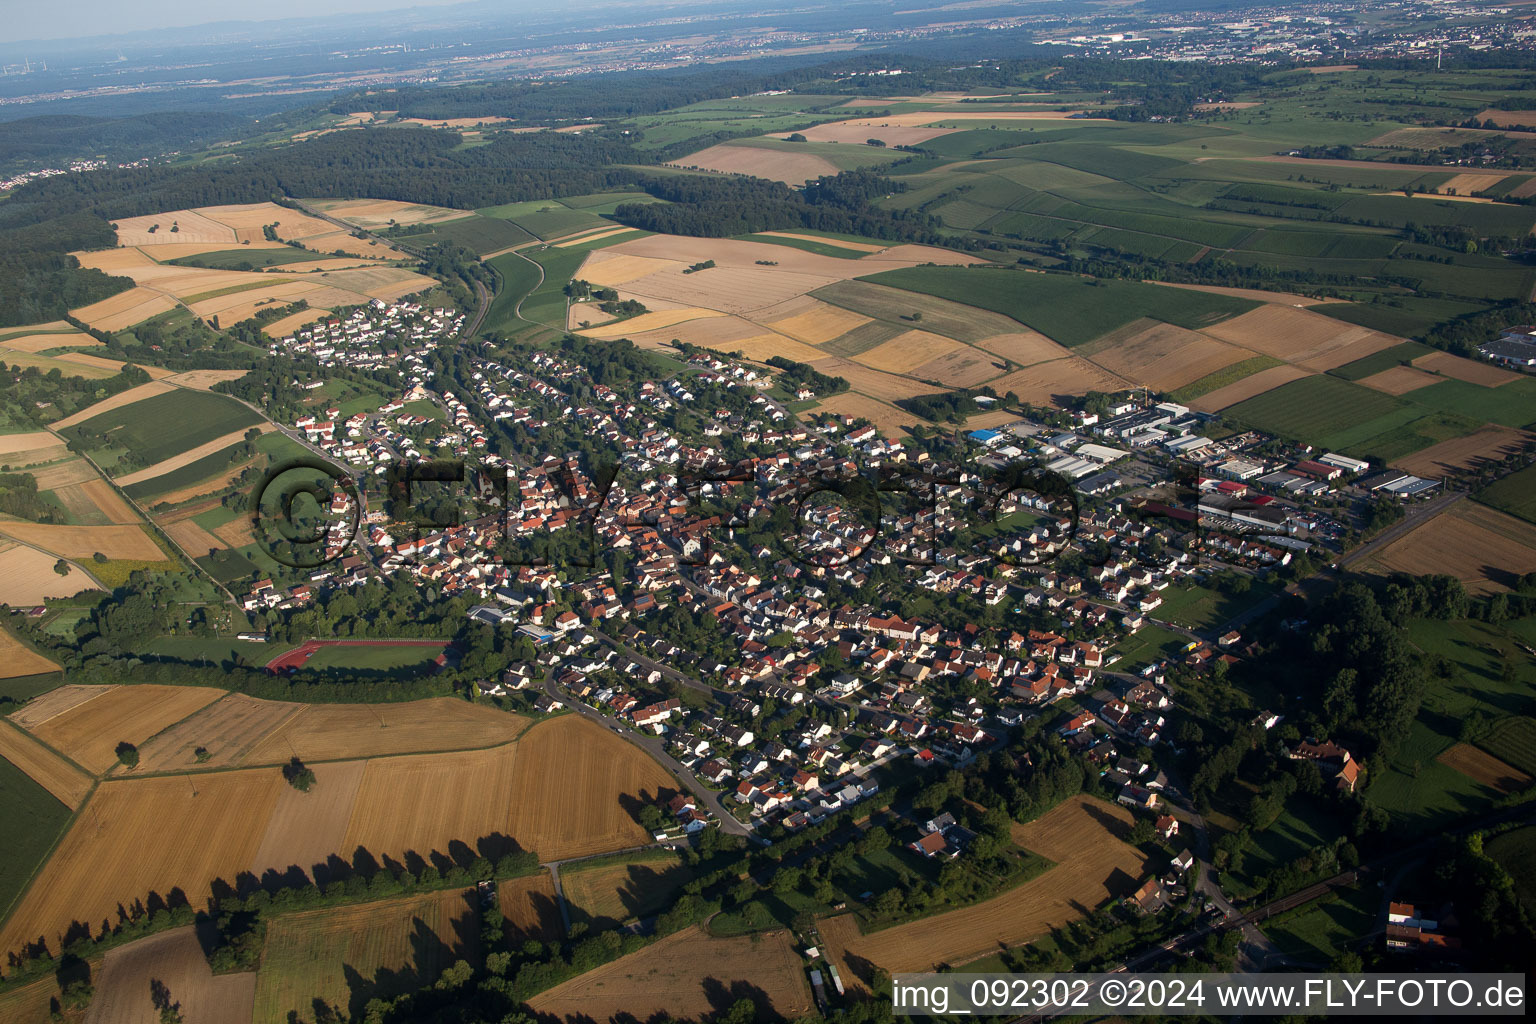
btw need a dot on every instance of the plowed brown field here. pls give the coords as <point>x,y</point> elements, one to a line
<point>1483,767</point>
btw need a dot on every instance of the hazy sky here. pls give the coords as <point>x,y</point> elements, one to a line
<point>68,19</point>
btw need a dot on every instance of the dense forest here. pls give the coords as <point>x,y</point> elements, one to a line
<point>34,141</point>
<point>718,207</point>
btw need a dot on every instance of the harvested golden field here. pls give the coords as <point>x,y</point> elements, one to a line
<point>332,731</point>
<point>810,320</point>
<point>348,955</point>
<point>914,254</point>
<point>67,367</point>
<point>342,241</point>
<point>528,904</point>
<point>1053,382</point>
<point>1469,370</point>
<point>582,238</point>
<point>125,309</point>
<point>577,810</point>
<point>581,315</point>
<point>378,213</point>
<point>650,322</point>
<point>774,164</point>
<point>731,253</point>
<point>203,380</point>
<point>1524,190</point>
<point>728,334</point>
<point>728,289</point>
<point>886,387</point>
<point>606,895</point>
<point>44,342</point>
<point>686,975</point>
<point>288,324</point>
<point>87,877</point>
<point>764,345</point>
<point>247,221</point>
<point>155,229</point>
<point>30,445</point>
<point>65,781</point>
<point>1161,356</point>
<point>306,829</point>
<point>1516,118</point>
<point>1024,347</point>
<point>189,536</point>
<point>117,401</point>
<point>246,303</point>
<point>17,659</point>
<point>1483,768</point>
<point>1399,380</point>
<point>606,267</point>
<point>236,533</point>
<point>424,802</point>
<point>68,473</point>
<point>94,501</point>
<point>1083,836</point>
<point>1485,549</point>
<point>839,243</point>
<point>228,729</point>
<point>89,734</point>
<point>1248,387</point>
<point>1301,337</point>
<point>80,542</point>
<point>27,576</point>
<point>387,283</point>
<point>1466,184</point>
<point>174,959</point>
<point>190,456</point>
<point>905,352</point>
<point>888,418</point>
<point>963,367</point>
<point>989,420</point>
<point>1461,454</point>
<point>858,132</point>
<point>55,702</point>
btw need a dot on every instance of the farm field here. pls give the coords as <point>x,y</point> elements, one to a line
<point>1083,836</point>
<point>1465,454</point>
<point>1067,309</point>
<point>81,542</point>
<point>156,427</point>
<point>1484,768</point>
<point>1469,370</point>
<point>34,818</point>
<point>253,820</point>
<point>17,659</point>
<point>349,955</point>
<point>529,907</point>
<point>55,702</point>
<point>329,731</point>
<point>66,782</point>
<point>1515,494</point>
<point>228,729</point>
<point>1310,409</point>
<point>27,576</point>
<point>1516,852</point>
<point>680,975</point>
<point>1161,356</point>
<point>1480,546</point>
<point>175,959</point>
<point>89,733</point>
<point>149,474</point>
<point>631,886</point>
<point>1513,741</point>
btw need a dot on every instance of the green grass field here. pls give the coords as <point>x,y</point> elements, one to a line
<point>1512,404</point>
<point>249,259</point>
<point>1513,741</point>
<point>1224,376</point>
<point>161,426</point>
<point>545,218</point>
<point>18,689</point>
<point>1515,494</point>
<point>1383,360</point>
<point>519,276</point>
<point>404,660</point>
<point>33,820</point>
<point>1199,607</point>
<point>1315,408</point>
<point>1516,853</point>
<point>479,234</point>
<point>202,469</point>
<point>1070,310</point>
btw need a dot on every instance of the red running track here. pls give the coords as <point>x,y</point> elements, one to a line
<point>295,659</point>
